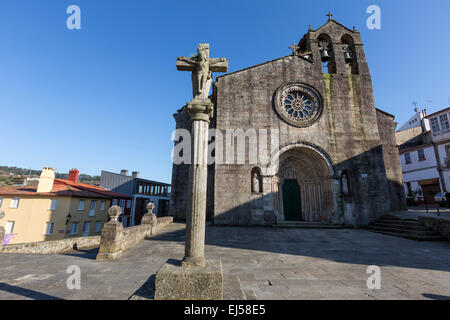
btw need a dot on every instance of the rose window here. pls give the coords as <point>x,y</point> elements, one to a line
<point>298,104</point>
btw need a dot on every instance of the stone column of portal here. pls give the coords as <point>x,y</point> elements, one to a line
<point>200,111</point>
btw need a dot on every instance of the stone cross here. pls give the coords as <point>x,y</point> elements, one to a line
<point>329,15</point>
<point>200,110</point>
<point>294,48</point>
<point>202,67</point>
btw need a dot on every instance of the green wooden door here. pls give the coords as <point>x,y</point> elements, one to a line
<point>291,200</point>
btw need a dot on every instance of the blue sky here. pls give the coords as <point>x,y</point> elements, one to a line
<point>103,97</point>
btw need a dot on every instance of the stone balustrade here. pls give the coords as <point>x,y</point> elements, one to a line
<point>115,240</point>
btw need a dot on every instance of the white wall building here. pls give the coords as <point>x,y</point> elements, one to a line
<point>424,142</point>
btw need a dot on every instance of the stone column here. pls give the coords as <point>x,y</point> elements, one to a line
<point>2,230</point>
<point>111,236</point>
<point>200,111</point>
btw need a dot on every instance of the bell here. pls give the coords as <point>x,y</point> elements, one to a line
<point>324,55</point>
<point>348,57</point>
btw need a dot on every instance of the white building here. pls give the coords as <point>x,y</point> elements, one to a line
<point>424,143</point>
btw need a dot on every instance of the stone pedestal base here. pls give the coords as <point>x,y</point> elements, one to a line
<point>108,256</point>
<point>174,282</point>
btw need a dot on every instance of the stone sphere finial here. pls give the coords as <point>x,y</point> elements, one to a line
<point>2,214</point>
<point>114,212</point>
<point>150,206</point>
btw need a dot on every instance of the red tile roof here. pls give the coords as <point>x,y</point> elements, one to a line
<point>65,188</point>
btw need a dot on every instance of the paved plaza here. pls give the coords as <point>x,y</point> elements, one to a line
<point>258,263</point>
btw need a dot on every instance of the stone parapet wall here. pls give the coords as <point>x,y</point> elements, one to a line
<point>55,246</point>
<point>440,225</point>
<point>115,240</point>
<point>133,235</point>
<point>112,241</point>
<point>162,222</point>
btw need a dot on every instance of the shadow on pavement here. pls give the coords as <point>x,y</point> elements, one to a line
<point>26,292</point>
<point>90,254</point>
<point>435,296</point>
<point>355,246</point>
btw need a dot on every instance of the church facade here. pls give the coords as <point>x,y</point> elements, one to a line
<point>336,159</point>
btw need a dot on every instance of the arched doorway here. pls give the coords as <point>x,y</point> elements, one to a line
<point>302,186</point>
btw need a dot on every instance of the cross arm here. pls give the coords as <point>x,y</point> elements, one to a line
<point>218,65</point>
<point>185,64</point>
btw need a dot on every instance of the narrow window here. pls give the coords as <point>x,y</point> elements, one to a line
<point>81,205</point>
<point>9,229</point>
<point>102,205</point>
<point>122,204</point>
<point>128,204</point>
<point>444,121</point>
<point>407,158</point>
<point>49,228</point>
<point>86,228</point>
<point>92,208</point>
<point>74,228</point>
<point>15,203</point>
<point>435,125</point>
<point>98,226</point>
<point>53,204</point>
<point>421,154</point>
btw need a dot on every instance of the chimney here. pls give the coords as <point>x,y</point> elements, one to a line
<point>46,180</point>
<point>73,175</point>
<point>135,174</point>
<point>124,172</point>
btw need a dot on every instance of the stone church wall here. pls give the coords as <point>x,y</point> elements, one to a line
<point>350,134</point>
<point>392,163</point>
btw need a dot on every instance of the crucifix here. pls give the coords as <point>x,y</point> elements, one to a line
<point>200,110</point>
<point>195,277</point>
<point>202,67</point>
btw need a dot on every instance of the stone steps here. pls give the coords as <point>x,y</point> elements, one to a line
<point>404,228</point>
<point>406,232</point>
<point>395,225</point>
<point>417,238</point>
<point>304,225</point>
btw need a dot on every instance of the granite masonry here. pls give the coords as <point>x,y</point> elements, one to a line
<point>114,239</point>
<point>336,161</point>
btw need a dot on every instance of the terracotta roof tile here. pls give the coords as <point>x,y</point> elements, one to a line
<point>64,188</point>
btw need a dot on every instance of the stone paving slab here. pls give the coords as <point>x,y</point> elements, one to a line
<point>258,263</point>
